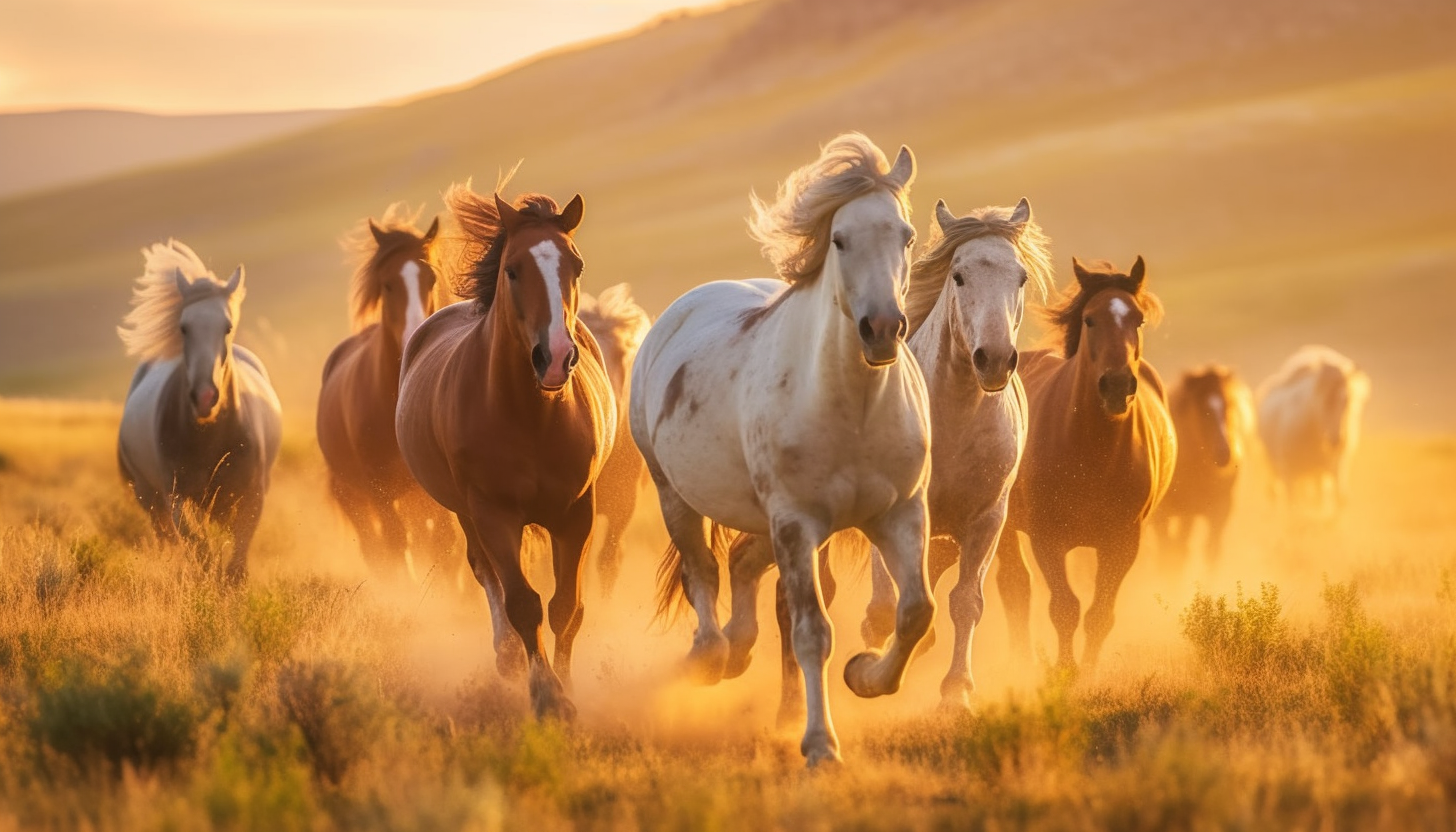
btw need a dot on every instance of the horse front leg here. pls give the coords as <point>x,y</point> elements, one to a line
<point>968,602</point>
<point>510,651</point>
<point>749,558</point>
<point>1064,608</point>
<point>791,687</point>
<point>247,514</point>
<point>1114,560</point>
<point>569,545</point>
<point>1013,580</point>
<point>900,534</point>
<point>500,537</point>
<point>796,541</point>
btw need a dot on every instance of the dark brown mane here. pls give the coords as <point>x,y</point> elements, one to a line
<point>482,243</point>
<point>1094,277</point>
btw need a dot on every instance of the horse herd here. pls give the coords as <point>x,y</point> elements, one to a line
<point>777,418</point>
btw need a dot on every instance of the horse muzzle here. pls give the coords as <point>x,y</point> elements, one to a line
<point>552,373</point>
<point>204,402</point>
<point>880,336</point>
<point>993,374</point>
<point>1117,390</point>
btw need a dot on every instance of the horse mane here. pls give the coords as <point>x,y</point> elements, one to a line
<point>793,230</point>
<point>482,242</point>
<point>1097,276</point>
<point>614,313</point>
<point>151,331</point>
<point>931,269</point>
<point>1307,361</point>
<point>366,292</point>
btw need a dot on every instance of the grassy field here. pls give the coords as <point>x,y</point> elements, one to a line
<point>1307,682</point>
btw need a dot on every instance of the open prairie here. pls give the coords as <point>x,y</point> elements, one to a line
<point>1285,169</point>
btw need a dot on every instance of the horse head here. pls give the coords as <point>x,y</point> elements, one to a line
<point>539,272</point>
<point>404,278</point>
<point>869,255</point>
<point>988,299</point>
<point>1112,331</point>
<point>209,316</point>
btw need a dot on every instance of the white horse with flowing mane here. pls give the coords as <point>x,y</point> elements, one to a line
<point>965,303</point>
<point>783,407</point>
<point>1309,420</point>
<point>201,424</point>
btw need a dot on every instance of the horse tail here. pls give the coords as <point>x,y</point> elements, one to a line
<point>671,590</point>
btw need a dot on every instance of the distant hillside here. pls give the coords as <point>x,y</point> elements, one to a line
<point>64,147</point>
<point>1286,168</point>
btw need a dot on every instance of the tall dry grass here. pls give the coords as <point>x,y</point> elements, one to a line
<point>138,692</point>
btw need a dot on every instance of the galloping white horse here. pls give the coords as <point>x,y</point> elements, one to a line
<point>965,305</point>
<point>783,407</point>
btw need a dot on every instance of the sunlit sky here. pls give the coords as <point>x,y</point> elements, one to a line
<point>187,56</point>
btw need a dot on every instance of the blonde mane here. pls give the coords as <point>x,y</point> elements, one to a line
<point>932,268</point>
<point>793,230</point>
<point>614,314</point>
<point>151,331</point>
<point>366,293</point>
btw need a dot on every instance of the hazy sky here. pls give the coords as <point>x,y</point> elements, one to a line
<point>233,55</point>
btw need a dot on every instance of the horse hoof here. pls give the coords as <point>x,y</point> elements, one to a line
<point>954,703</point>
<point>823,759</point>
<point>737,664</point>
<point>859,675</point>
<point>554,708</point>
<point>708,660</point>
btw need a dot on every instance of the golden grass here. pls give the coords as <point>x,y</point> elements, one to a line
<point>1307,682</point>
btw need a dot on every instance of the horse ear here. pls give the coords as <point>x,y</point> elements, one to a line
<point>570,216</point>
<point>509,216</point>
<point>376,231</point>
<point>943,216</point>
<point>182,282</point>
<point>236,281</point>
<point>1137,273</point>
<point>1021,215</point>
<point>430,234</point>
<point>903,173</point>
<point>1079,270</point>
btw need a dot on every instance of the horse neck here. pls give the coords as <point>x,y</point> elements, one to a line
<point>388,356</point>
<point>508,362</point>
<point>939,346</point>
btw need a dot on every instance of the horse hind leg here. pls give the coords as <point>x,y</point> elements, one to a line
<point>900,534</point>
<point>748,560</point>
<point>708,658</point>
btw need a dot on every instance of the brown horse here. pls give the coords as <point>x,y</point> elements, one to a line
<point>392,292</point>
<point>1100,452</point>
<point>1212,413</point>
<point>619,325</point>
<point>506,416</point>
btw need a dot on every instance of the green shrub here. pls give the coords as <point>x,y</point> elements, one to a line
<point>337,708</point>
<point>116,714</point>
<point>1252,637</point>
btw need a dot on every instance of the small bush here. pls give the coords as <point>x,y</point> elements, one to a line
<point>1250,638</point>
<point>118,714</point>
<point>338,710</point>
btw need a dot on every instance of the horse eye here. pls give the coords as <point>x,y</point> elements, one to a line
<point>184,329</point>
<point>958,278</point>
<point>838,243</point>
<point>228,330</point>
<point>510,274</point>
<point>1087,320</point>
<point>1023,280</point>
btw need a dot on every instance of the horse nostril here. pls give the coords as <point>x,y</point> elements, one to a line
<point>902,328</point>
<point>866,332</point>
<point>540,360</point>
<point>979,359</point>
<point>1132,386</point>
<point>1011,362</point>
<point>571,359</point>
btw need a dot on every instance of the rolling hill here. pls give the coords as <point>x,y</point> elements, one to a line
<point>66,147</point>
<point>1285,168</point>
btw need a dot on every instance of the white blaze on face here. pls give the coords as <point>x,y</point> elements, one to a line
<point>414,310</point>
<point>1120,310</point>
<point>548,261</point>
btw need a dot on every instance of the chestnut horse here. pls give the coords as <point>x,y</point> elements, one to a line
<point>1100,452</point>
<point>1212,414</point>
<point>619,325</point>
<point>391,294</point>
<point>506,416</point>
<point>965,304</point>
<point>201,426</point>
<point>785,408</point>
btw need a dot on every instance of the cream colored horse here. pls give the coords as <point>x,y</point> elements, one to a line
<point>785,407</point>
